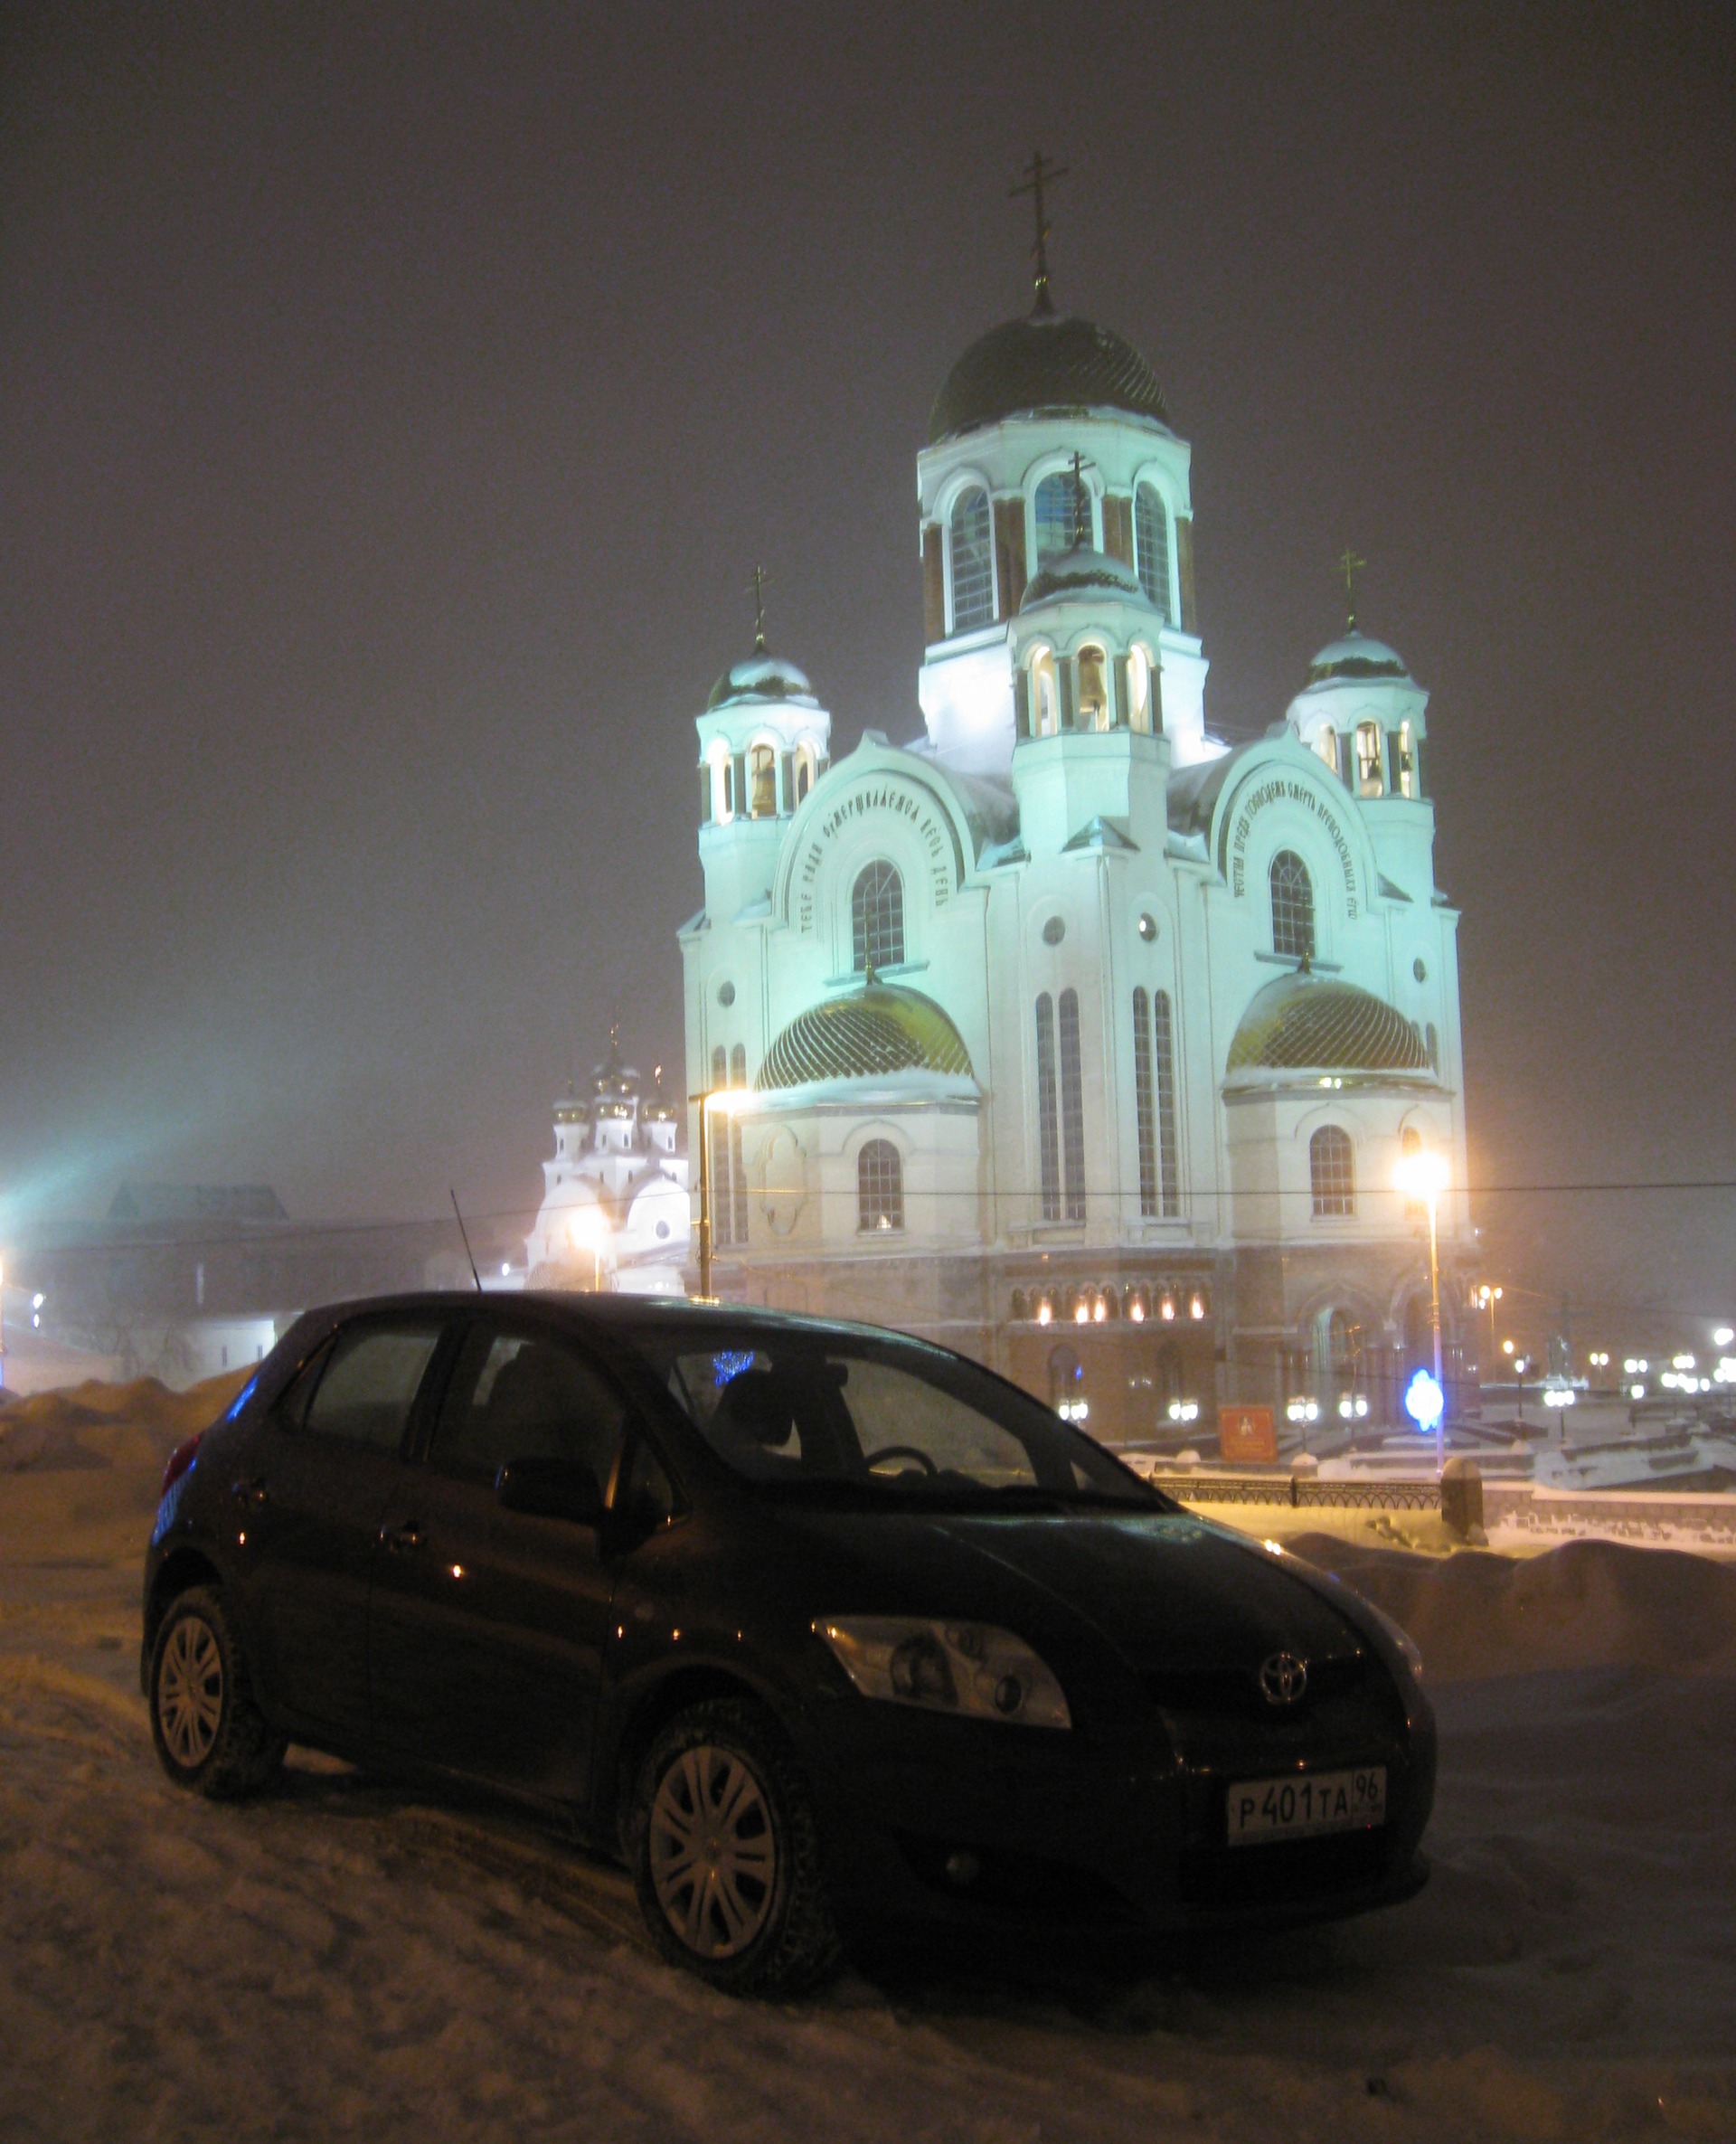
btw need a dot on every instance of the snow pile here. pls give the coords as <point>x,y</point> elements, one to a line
<point>109,1425</point>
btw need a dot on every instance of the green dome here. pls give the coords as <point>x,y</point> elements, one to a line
<point>872,1032</point>
<point>1304,1023</point>
<point>1047,362</point>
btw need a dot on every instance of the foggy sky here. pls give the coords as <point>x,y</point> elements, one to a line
<point>393,402</point>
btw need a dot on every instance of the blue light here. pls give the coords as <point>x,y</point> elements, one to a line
<point>1424,1402</point>
<point>728,1366</point>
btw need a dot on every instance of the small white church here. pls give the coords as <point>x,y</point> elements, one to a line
<point>1064,1031</point>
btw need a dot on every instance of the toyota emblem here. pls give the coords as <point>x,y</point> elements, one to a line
<point>1283,1678</point>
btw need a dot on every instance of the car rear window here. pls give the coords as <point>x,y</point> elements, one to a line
<point>368,1384</point>
<point>866,1420</point>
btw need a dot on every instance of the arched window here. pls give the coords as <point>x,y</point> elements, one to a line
<point>1408,783</point>
<point>972,561</point>
<point>880,1188</point>
<point>763,782</point>
<point>877,918</point>
<point>1053,510</point>
<point>1093,689</point>
<point>1145,1121</point>
<point>1072,1110</point>
<point>1048,1121</point>
<point>803,770</point>
<point>1139,690</point>
<point>1045,707</point>
<point>1292,907</point>
<point>1169,1154</point>
<point>737,1169</point>
<point>1331,1173</point>
<point>724,779</point>
<point>1327,745</point>
<point>1151,546</point>
<point>1371,772</point>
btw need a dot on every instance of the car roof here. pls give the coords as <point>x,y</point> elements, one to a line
<point>611,1313</point>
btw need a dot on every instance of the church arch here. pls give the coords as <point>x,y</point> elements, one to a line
<point>763,781</point>
<point>970,560</point>
<point>1046,692</point>
<point>1091,699</point>
<point>877,917</point>
<point>1054,509</point>
<point>1152,547</point>
<point>1292,891</point>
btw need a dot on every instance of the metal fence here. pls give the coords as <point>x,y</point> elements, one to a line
<point>1297,1492</point>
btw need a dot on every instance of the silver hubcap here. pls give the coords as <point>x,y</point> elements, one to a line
<point>713,1859</point>
<point>190,1692</point>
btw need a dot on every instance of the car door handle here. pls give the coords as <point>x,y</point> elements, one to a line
<point>251,1493</point>
<point>406,1534</point>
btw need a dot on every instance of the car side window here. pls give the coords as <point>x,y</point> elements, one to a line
<point>646,1497</point>
<point>368,1383</point>
<point>521,1395</point>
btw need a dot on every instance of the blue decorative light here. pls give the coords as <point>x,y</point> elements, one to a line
<point>1424,1402</point>
<point>730,1364</point>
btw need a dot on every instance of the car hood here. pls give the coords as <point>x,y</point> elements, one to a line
<point>1164,1590</point>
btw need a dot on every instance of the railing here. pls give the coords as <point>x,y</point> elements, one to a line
<point>1299,1491</point>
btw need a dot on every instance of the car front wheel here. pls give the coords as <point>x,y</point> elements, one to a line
<point>210,1736</point>
<point>726,1856</point>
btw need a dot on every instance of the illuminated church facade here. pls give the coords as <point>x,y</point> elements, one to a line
<point>1065,1033</point>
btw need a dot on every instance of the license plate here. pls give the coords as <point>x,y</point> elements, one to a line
<point>1306,1804</point>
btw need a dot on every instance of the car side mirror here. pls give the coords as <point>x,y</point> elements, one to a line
<point>550,1488</point>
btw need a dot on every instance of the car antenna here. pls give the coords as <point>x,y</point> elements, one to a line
<point>464,1235</point>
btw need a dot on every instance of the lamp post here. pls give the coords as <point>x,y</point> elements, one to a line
<point>1488,1298</point>
<point>1423,1175</point>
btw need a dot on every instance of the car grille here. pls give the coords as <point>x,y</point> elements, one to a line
<point>1234,1693</point>
<point>1286,1870</point>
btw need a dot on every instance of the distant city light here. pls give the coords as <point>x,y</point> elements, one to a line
<point>1506,1346</point>
<point>1722,1337</point>
<point>1681,1362</point>
<point>1636,1391</point>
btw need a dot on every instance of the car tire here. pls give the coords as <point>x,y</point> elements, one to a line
<point>724,1849</point>
<point>210,1736</point>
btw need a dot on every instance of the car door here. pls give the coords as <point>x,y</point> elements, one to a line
<point>310,1491</point>
<point>488,1626</point>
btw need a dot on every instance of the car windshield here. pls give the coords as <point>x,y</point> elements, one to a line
<point>839,1418</point>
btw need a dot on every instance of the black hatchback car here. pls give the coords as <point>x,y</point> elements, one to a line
<point>820,1627</point>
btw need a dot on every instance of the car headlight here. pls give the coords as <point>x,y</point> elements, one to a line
<point>957,1668</point>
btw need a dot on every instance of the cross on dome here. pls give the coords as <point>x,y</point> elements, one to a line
<point>1350,565</point>
<point>1040,172</point>
<point>760,577</point>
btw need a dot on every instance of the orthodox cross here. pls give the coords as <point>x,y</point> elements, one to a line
<point>1350,565</point>
<point>1081,511</point>
<point>760,577</point>
<point>1040,172</point>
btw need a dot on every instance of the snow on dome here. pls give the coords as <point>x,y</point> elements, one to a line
<point>1356,656</point>
<point>762,678</point>
<point>1076,571</point>
<point>1304,1023</point>
<point>1047,362</point>
<point>874,1031</point>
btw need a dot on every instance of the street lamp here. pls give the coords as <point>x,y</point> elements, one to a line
<point>1487,1298</point>
<point>727,1099</point>
<point>1422,1175</point>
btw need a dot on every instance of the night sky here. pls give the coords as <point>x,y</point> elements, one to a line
<point>394,401</point>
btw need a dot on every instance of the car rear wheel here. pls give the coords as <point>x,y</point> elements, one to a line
<point>210,1736</point>
<point>725,1853</point>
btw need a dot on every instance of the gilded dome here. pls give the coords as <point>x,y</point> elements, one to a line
<point>1309,1023</point>
<point>865,1036</point>
<point>1047,362</point>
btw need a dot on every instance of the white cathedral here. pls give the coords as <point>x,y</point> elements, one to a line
<point>1067,1033</point>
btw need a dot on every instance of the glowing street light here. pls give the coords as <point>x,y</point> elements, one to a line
<point>1422,1175</point>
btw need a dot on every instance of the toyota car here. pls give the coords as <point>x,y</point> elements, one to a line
<point>821,1629</point>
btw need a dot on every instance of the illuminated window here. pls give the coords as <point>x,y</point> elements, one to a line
<point>1151,546</point>
<point>1292,907</point>
<point>1093,693</point>
<point>877,918</point>
<point>1048,1123</point>
<point>1327,745</point>
<point>1045,710</point>
<point>1054,515</point>
<point>1139,690</point>
<point>723,784</point>
<point>1409,1140</point>
<point>1331,1173</point>
<point>972,561</point>
<point>1408,785</point>
<point>1370,774</point>
<point>1145,1120</point>
<point>1073,1109</point>
<point>880,1188</point>
<point>1168,1168</point>
<point>803,770</point>
<point>763,782</point>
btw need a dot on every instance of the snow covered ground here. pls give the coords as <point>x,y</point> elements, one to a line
<point>348,1960</point>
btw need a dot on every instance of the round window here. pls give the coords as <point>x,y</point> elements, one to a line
<point>1147,926</point>
<point>1419,968</point>
<point>726,994</point>
<point>663,1229</point>
<point>1053,932</point>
